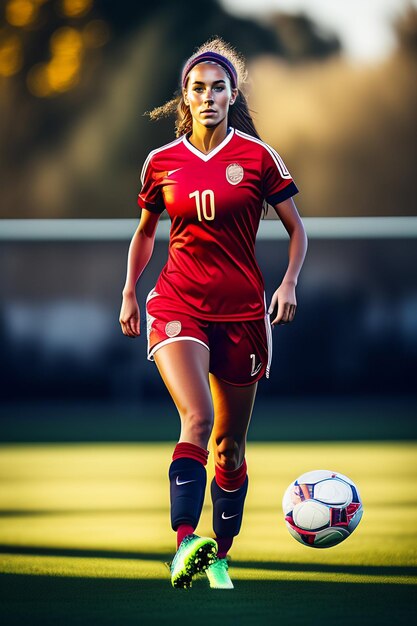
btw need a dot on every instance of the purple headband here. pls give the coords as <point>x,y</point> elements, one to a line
<point>213,57</point>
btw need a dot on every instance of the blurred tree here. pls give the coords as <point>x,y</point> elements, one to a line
<point>76,77</point>
<point>406,30</point>
<point>347,131</point>
<point>302,39</point>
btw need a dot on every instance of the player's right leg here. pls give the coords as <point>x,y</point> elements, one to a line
<point>184,366</point>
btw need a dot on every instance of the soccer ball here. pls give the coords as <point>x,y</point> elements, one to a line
<point>322,508</point>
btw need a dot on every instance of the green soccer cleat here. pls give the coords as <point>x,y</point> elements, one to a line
<point>218,575</point>
<point>194,555</point>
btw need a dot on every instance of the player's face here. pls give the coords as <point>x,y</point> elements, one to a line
<point>209,94</point>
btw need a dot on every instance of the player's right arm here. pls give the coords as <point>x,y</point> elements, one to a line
<point>140,252</point>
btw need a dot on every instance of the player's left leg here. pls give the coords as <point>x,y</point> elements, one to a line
<point>232,412</point>
<point>239,356</point>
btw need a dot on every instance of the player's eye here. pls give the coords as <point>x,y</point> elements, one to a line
<point>219,88</point>
<point>198,89</point>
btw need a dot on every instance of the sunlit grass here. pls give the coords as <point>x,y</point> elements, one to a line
<point>102,511</point>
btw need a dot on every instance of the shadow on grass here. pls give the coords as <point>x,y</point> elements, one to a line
<point>46,600</point>
<point>370,570</point>
<point>5,513</point>
<point>281,566</point>
<point>79,552</point>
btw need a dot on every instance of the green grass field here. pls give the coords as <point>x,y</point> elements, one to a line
<point>85,532</point>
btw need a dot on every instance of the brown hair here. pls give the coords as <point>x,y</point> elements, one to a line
<point>239,116</point>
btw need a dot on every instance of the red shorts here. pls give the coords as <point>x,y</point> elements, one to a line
<point>240,352</point>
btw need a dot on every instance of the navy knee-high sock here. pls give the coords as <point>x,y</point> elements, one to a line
<point>228,493</point>
<point>188,478</point>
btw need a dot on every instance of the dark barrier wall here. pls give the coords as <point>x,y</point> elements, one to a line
<point>355,332</point>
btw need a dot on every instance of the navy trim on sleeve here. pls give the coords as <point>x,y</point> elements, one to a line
<point>157,208</point>
<point>288,191</point>
<point>153,208</point>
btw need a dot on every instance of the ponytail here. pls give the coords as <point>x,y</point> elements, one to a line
<point>240,117</point>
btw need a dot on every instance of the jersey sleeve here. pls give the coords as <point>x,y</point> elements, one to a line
<point>278,184</point>
<point>150,196</point>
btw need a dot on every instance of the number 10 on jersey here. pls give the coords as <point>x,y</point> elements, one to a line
<point>204,204</point>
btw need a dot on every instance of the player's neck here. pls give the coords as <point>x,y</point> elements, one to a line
<point>207,139</point>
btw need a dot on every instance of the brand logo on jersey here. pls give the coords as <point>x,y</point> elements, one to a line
<point>172,329</point>
<point>234,173</point>
<point>173,171</point>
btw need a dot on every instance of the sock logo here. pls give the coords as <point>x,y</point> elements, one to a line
<point>183,482</point>
<point>224,516</point>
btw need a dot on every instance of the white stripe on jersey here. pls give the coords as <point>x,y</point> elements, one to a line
<point>270,345</point>
<point>150,155</point>
<point>274,154</point>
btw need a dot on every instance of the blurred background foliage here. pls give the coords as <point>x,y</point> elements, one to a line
<point>77,76</point>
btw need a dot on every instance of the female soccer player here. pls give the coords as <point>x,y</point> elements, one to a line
<point>208,329</point>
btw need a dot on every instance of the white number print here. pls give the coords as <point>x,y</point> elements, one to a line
<point>205,208</point>
<point>255,368</point>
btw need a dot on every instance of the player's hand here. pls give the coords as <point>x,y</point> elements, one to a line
<point>284,298</point>
<point>130,316</point>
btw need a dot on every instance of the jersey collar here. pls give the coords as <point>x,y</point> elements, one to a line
<point>212,153</point>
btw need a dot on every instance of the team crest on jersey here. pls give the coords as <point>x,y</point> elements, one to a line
<point>172,329</point>
<point>234,173</point>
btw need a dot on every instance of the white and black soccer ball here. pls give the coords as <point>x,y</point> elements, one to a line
<point>322,508</point>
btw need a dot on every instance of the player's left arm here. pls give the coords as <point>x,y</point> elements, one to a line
<point>284,296</point>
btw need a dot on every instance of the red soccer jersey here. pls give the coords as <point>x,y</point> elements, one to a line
<point>215,204</point>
